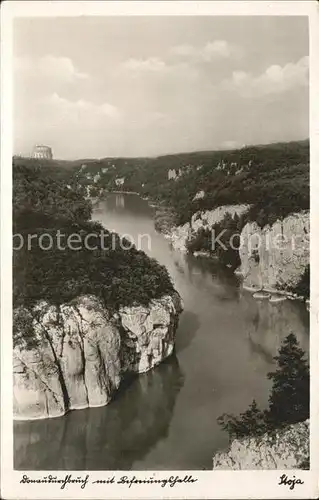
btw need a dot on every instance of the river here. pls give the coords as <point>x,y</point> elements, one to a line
<point>166,418</point>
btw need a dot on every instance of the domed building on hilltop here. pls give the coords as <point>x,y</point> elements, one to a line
<point>41,151</point>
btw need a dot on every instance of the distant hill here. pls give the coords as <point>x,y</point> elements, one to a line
<point>44,205</point>
<point>273,178</point>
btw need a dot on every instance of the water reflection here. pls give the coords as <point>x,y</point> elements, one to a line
<point>212,277</point>
<point>124,204</point>
<point>111,437</point>
<point>119,201</point>
<point>269,323</point>
<point>188,325</point>
<point>166,419</point>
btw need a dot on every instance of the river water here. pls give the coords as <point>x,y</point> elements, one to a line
<point>166,418</point>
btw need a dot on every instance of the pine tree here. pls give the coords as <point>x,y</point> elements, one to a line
<point>254,420</point>
<point>289,399</point>
<point>249,423</point>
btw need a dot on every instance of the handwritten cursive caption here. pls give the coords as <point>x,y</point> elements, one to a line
<point>289,482</point>
<point>128,481</point>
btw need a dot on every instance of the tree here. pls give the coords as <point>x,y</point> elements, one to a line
<point>303,287</point>
<point>250,423</point>
<point>113,272</point>
<point>289,399</point>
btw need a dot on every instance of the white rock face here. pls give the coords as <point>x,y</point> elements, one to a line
<point>179,235</point>
<point>287,450</point>
<point>199,195</point>
<point>83,352</point>
<point>172,174</point>
<point>119,181</point>
<point>199,220</point>
<point>277,255</point>
<point>272,258</point>
<point>149,333</point>
<point>210,217</point>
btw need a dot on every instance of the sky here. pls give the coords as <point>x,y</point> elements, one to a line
<point>92,87</point>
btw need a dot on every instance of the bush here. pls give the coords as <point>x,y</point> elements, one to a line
<point>226,243</point>
<point>250,423</point>
<point>303,287</point>
<point>164,220</point>
<point>201,241</point>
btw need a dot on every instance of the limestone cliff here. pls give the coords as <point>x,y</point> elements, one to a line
<point>138,422</point>
<point>288,449</point>
<point>275,256</point>
<point>272,258</point>
<point>80,352</point>
<point>206,219</point>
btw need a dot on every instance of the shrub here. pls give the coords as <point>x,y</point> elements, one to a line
<point>303,287</point>
<point>225,245</point>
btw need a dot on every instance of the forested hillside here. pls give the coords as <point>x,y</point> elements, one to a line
<point>45,206</point>
<point>273,179</point>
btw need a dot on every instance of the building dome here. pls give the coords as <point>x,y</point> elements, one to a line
<point>41,151</point>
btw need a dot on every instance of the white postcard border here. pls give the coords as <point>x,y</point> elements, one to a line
<point>209,484</point>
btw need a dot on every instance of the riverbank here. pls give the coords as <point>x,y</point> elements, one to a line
<point>164,217</point>
<point>265,271</point>
<point>224,346</point>
<point>85,367</point>
<point>81,320</point>
<point>248,270</point>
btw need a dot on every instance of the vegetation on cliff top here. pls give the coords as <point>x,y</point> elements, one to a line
<point>303,286</point>
<point>288,400</point>
<point>109,267</point>
<point>226,249</point>
<point>273,179</point>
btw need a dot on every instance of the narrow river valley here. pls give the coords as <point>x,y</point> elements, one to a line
<point>166,418</point>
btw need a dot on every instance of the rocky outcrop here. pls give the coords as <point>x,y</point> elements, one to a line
<point>148,333</point>
<point>179,236</point>
<point>80,352</point>
<point>101,439</point>
<point>272,258</point>
<point>206,219</point>
<point>288,449</point>
<point>199,195</point>
<point>275,256</point>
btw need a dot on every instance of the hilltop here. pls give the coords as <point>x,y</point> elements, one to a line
<point>273,179</point>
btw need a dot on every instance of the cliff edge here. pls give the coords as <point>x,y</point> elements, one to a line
<point>273,257</point>
<point>287,449</point>
<point>86,317</point>
<point>80,352</point>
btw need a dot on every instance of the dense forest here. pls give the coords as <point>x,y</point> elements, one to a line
<point>45,206</point>
<point>273,179</point>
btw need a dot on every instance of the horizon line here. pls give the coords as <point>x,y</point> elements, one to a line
<point>196,151</point>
